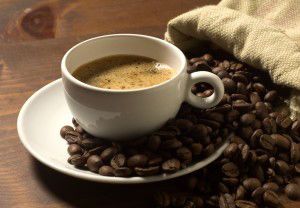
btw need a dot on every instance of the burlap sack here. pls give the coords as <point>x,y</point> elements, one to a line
<point>262,33</point>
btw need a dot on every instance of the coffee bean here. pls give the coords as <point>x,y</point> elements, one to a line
<point>171,166</point>
<point>241,88</point>
<point>239,97</point>
<point>297,168</point>
<point>223,188</point>
<point>72,139</point>
<point>215,116</point>
<point>254,98</point>
<point>269,125</point>
<point>119,160</point>
<point>199,131</point>
<point>266,142</point>
<point>108,153</point>
<point>231,181</point>
<point>77,160</point>
<point>184,125</point>
<point>138,160</point>
<point>281,141</point>
<point>259,88</point>
<point>295,152</point>
<point>296,128</point>
<point>74,149</point>
<point>106,170</point>
<point>94,162</point>
<point>255,137</point>
<point>240,78</point>
<point>122,172</point>
<point>184,154</point>
<point>178,200</point>
<point>231,150</point>
<point>271,96</point>
<point>261,110</point>
<point>196,148</point>
<point>242,107</point>
<point>230,170</point>
<point>247,118</point>
<point>282,167</point>
<point>197,201</point>
<point>79,129</point>
<point>258,172</point>
<point>226,201</point>
<point>256,124</point>
<point>154,161</point>
<point>271,198</point>
<point>208,150</point>
<point>246,132</point>
<point>271,186</point>
<point>147,171</point>
<point>154,142</point>
<point>257,195</point>
<point>240,192</point>
<point>232,115</point>
<point>245,204</point>
<point>292,190</point>
<point>64,130</point>
<point>162,199</point>
<point>229,85</point>
<point>251,184</point>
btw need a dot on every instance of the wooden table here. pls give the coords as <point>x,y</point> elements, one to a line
<point>34,35</point>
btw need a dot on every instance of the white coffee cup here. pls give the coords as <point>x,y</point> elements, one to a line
<point>128,114</point>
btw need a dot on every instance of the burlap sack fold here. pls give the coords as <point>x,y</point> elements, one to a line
<point>262,33</point>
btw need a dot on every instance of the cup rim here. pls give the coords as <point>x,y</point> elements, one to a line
<point>69,76</point>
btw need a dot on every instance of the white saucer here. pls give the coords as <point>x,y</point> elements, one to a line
<point>39,123</point>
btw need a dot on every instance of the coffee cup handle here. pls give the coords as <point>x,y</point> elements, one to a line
<point>210,78</point>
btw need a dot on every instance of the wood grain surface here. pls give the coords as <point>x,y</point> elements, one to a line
<point>34,35</point>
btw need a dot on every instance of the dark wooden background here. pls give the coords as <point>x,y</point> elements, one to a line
<point>34,35</point>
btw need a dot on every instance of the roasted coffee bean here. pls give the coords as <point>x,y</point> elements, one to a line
<point>271,186</point>
<point>226,201</point>
<point>122,172</point>
<point>147,171</point>
<point>258,172</point>
<point>199,130</point>
<point>171,166</point>
<point>295,152</point>
<point>209,123</point>
<point>223,188</point>
<point>282,167</point>
<point>74,149</point>
<point>154,142</point>
<point>254,139</point>
<point>297,168</point>
<point>231,181</point>
<point>77,160</point>
<point>242,107</point>
<point>139,160</point>
<point>197,201</point>
<point>251,184</point>
<point>259,88</point>
<point>245,204</point>
<point>178,200</point>
<point>184,154</point>
<point>106,170</point>
<point>240,192</point>
<point>254,98</point>
<point>269,125</point>
<point>94,162</point>
<point>208,150</point>
<point>241,88</point>
<point>64,130</point>
<point>108,153</point>
<point>281,141</point>
<point>257,195</point>
<point>215,116</point>
<point>72,139</point>
<point>257,124</point>
<point>270,96</point>
<point>247,118</point>
<point>261,110</point>
<point>230,170</point>
<point>229,85</point>
<point>292,190</point>
<point>162,199</point>
<point>271,198</point>
<point>74,122</point>
<point>239,97</point>
<point>296,128</point>
<point>154,161</point>
<point>232,115</point>
<point>171,144</point>
<point>237,77</point>
<point>266,142</point>
<point>246,132</point>
<point>119,160</point>
<point>184,125</point>
<point>237,140</point>
<point>196,148</point>
<point>231,150</point>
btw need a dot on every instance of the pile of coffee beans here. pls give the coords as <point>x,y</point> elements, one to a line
<point>261,162</point>
<point>263,158</point>
<point>175,146</point>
